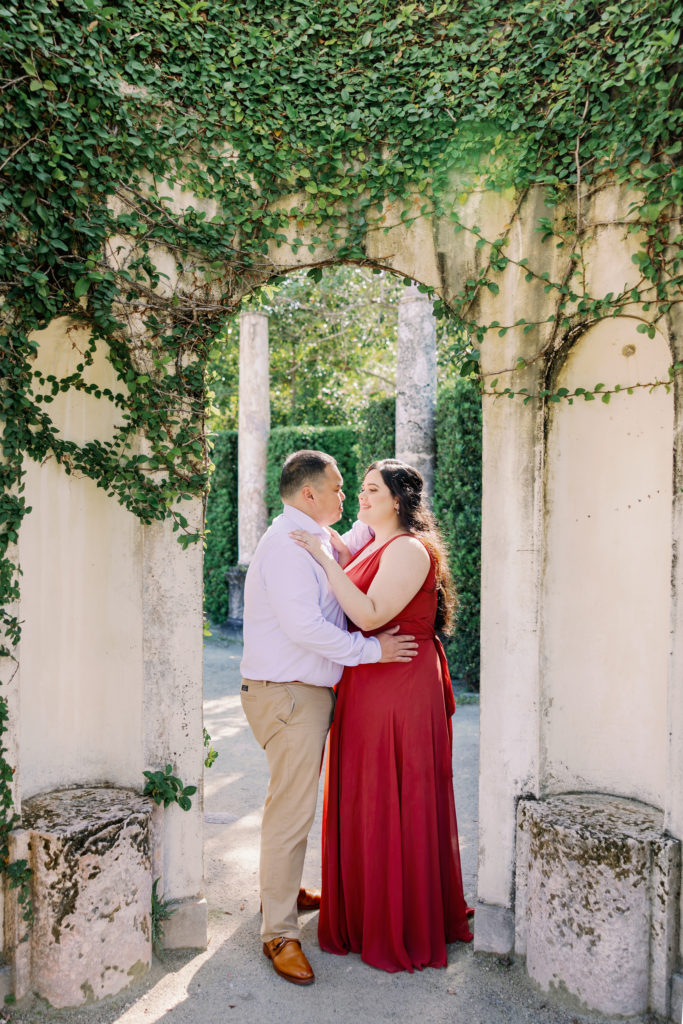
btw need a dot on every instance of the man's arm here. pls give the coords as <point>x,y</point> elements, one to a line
<point>351,542</point>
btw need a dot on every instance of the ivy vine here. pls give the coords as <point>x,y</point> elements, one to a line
<point>152,154</point>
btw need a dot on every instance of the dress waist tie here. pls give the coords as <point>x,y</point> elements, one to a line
<point>448,698</point>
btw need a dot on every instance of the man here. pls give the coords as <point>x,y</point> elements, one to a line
<point>295,644</point>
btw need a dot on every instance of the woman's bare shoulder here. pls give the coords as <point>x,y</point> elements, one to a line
<point>407,546</point>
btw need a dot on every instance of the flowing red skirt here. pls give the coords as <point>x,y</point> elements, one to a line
<point>392,883</point>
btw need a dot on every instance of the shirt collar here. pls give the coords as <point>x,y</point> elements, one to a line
<point>303,521</point>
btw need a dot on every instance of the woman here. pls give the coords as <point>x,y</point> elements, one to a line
<point>392,884</point>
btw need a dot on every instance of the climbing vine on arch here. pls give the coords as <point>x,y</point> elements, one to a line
<point>154,154</point>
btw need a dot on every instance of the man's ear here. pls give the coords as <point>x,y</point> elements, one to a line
<point>307,492</point>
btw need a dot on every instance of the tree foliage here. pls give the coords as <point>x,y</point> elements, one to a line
<point>332,341</point>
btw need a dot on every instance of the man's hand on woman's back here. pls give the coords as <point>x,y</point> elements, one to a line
<point>397,647</point>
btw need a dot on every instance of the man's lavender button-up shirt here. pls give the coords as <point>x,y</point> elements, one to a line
<point>294,628</point>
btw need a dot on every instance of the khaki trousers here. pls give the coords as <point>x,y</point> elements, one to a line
<point>291,722</point>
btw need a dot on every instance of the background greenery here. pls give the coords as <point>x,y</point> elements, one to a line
<point>339,442</point>
<point>220,551</point>
<point>332,346</point>
<point>457,504</point>
<point>377,436</point>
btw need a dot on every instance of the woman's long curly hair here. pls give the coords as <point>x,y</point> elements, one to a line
<point>415,516</point>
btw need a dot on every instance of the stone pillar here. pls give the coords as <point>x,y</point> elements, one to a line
<point>673,807</point>
<point>254,429</point>
<point>172,617</point>
<point>10,679</point>
<point>416,383</point>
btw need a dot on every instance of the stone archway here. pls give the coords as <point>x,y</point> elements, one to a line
<point>164,681</point>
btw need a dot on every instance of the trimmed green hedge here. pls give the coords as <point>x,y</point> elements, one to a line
<point>457,505</point>
<point>340,442</point>
<point>220,552</point>
<point>377,439</point>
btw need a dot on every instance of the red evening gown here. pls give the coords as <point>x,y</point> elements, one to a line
<point>391,877</point>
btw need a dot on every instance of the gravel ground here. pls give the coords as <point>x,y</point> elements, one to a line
<point>233,981</point>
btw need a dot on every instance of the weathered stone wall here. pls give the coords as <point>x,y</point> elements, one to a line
<point>82,635</point>
<point>606,570</point>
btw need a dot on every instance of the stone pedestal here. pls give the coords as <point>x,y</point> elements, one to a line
<point>596,901</point>
<point>416,383</point>
<point>235,578</point>
<point>92,853</point>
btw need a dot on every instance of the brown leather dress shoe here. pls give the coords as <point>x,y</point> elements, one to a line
<point>308,899</point>
<point>289,960</point>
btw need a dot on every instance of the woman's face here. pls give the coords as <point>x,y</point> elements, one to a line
<point>376,502</point>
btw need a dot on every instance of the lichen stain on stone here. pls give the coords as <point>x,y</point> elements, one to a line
<point>112,913</point>
<point>88,993</point>
<point>591,830</point>
<point>138,970</point>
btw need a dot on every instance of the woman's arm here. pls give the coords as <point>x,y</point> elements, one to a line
<point>402,570</point>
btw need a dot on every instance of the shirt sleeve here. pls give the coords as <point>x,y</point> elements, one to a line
<point>293,588</point>
<point>357,537</point>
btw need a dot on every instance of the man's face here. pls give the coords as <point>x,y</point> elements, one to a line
<point>327,497</point>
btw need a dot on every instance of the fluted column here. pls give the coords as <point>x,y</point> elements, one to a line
<point>416,383</point>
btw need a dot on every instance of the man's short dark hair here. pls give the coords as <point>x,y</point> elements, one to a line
<point>303,467</point>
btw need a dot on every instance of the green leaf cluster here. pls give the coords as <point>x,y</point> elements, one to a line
<point>166,788</point>
<point>211,754</point>
<point>160,911</point>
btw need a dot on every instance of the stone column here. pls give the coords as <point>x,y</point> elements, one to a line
<point>254,428</point>
<point>416,383</point>
<point>172,616</point>
<point>673,808</point>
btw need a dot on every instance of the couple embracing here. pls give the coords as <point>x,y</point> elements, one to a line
<point>391,878</point>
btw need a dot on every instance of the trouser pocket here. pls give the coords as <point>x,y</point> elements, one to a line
<point>269,707</point>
